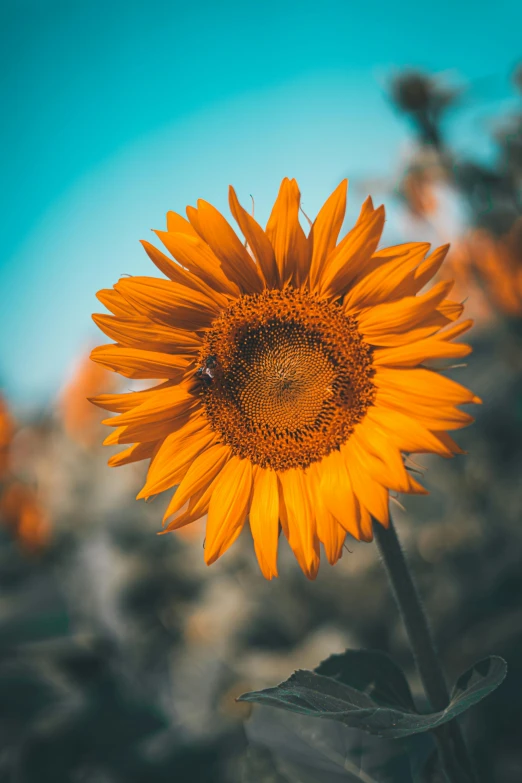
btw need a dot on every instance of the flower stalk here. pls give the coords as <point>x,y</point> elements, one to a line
<point>450,741</point>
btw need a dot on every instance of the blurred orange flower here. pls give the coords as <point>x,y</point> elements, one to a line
<point>7,429</point>
<point>418,190</point>
<point>498,265</point>
<point>81,419</point>
<point>460,268</point>
<point>293,374</point>
<point>21,510</point>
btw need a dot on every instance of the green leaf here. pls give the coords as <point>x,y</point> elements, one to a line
<point>478,682</point>
<point>372,672</point>
<point>308,751</point>
<point>309,693</point>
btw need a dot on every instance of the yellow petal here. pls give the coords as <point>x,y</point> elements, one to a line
<point>404,314</point>
<point>433,416</point>
<point>370,494</point>
<point>173,271</point>
<point>178,224</point>
<point>298,521</point>
<point>159,405</point>
<point>407,433</point>
<point>134,453</point>
<point>194,253</point>
<point>197,508</point>
<point>175,455</point>
<point>325,230</point>
<point>287,236</point>
<point>449,443</point>
<point>331,530</point>
<point>135,363</point>
<point>385,279</point>
<point>199,475</point>
<point>378,455</point>
<point>335,489</point>
<point>235,261</point>
<point>264,520</point>
<point>139,332</point>
<point>426,386</point>
<point>427,269</point>
<point>169,303</point>
<point>228,507</point>
<point>257,241</point>
<point>451,310</point>
<point>145,432</point>
<point>420,351</point>
<point>351,256</point>
<point>116,303</point>
<point>119,403</point>
<point>365,522</point>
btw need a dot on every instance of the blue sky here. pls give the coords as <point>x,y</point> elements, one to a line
<point>116,112</point>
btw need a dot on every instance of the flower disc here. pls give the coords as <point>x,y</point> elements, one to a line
<point>286,376</point>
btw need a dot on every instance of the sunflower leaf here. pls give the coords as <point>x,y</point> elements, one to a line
<point>310,693</point>
<point>372,672</point>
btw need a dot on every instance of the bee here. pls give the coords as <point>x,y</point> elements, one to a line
<point>205,373</point>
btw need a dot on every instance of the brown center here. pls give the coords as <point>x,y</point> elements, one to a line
<point>285,376</point>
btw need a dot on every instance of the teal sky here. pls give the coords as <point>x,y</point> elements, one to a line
<point>114,113</point>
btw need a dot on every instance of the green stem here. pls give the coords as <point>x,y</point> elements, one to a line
<point>450,741</point>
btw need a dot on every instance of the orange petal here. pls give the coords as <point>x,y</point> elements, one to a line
<point>199,475</point>
<point>264,520</point>
<point>404,314</point>
<point>169,303</point>
<point>175,455</point>
<point>353,254</point>
<point>139,332</point>
<point>419,352</point>
<point>325,230</point>
<point>116,303</point>
<point>365,522</point>
<point>173,271</point>
<point>298,521</point>
<point>134,363</point>
<point>378,455</point>
<point>178,224</point>
<point>287,236</point>
<point>425,385</point>
<point>159,405</point>
<point>370,494</point>
<point>228,507</point>
<point>386,276</point>
<point>235,261</point>
<point>135,453</point>
<point>407,433</point>
<point>119,403</point>
<point>197,508</point>
<point>194,253</point>
<point>427,269</point>
<point>333,491</point>
<point>434,417</point>
<point>257,241</point>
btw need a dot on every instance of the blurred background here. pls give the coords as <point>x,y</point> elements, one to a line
<point>121,654</point>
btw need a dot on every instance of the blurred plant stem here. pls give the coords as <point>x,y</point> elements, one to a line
<point>450,741</point>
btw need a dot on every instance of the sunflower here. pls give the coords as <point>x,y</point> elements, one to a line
<point>293,374</point>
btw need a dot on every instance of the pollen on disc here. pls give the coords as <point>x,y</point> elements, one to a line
<point>291,376</point>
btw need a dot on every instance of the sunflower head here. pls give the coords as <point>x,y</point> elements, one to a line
<point>293,374</point>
